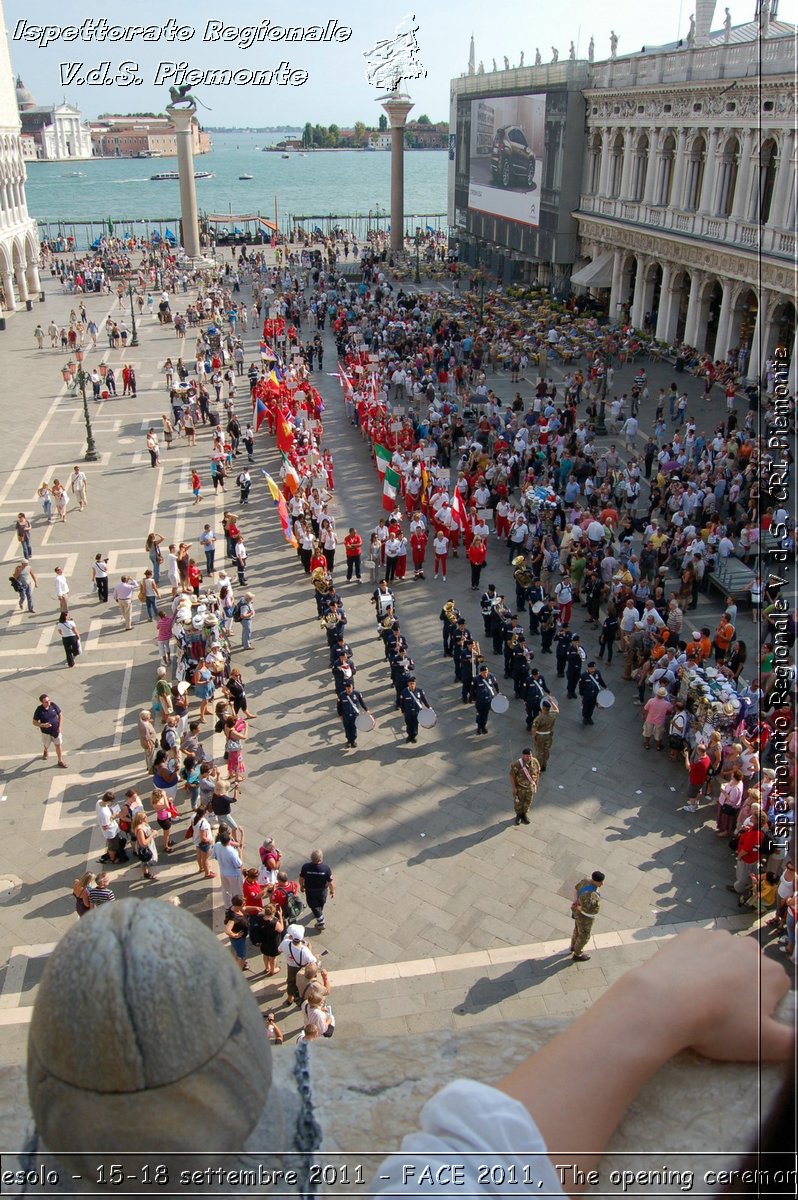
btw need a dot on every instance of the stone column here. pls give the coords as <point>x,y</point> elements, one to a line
<point>397,108</point>
<point>628,164</point>
<point>756,357</point>
<point>691,324</point>
<point>22,287</point>
<point>723,336</point>
<point>652,171</point>
<point>8,287</point>
<point>639,299</point>
<point>32,278</point>
<point>606,159</point>
<point>678,173</point>
<point>740,207</point>
<point>615,289</point>
<point>665,297</point>
<point>705,202</point>
<point>784,177</point>
<point>182,119</point>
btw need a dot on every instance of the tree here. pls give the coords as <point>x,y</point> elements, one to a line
<point>333,135</point>
<point>383,123</point>
<point>307,135</point>
<point>359,133</point>
<point>423,120</point>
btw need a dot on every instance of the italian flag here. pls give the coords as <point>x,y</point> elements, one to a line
<point>382,457</point>
<point>390,487</point>
<point>459,514</point>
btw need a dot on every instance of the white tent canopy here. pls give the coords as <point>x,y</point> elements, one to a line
<point>597,273</point>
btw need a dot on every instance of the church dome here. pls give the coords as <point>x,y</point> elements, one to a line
<point>24,98</point>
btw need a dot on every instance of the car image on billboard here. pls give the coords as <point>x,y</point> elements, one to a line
<point>512,161</point>
<point>506,151</point>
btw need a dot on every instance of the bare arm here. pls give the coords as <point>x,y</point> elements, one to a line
<point>707,991</point>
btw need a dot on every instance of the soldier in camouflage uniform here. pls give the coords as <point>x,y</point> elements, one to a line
<point>524,775</point>
<point>543,729</point>
<point>584,911</point>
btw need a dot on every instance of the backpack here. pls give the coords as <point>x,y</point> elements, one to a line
<point>237,611</point>
<point>293,907</point>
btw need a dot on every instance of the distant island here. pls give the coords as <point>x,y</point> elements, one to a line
<point>253,129</point>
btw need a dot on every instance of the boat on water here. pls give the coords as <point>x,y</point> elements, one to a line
<point>285,156</point>
<point>72,174</point>
<point>246,177</point>
<point>176,175</point>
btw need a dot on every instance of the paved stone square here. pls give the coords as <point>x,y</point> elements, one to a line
<point>446,914</point>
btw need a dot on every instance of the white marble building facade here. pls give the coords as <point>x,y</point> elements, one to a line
<point>19,244</point>
<point>688,207</point>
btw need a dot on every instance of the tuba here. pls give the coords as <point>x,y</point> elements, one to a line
<point>320,581</point>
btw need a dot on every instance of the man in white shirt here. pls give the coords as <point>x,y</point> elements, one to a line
<point>79,487</point>
<point>123,594</point>
<point>107,811</point>
<point>61,588</point>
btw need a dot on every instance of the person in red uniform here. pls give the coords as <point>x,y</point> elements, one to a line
<point>418,547</point>
<point>353,545</point>
<point>477,553</point>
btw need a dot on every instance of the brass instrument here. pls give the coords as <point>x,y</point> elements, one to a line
<point>387,621</point>
<point>320,581</point>
<point>329,621</point>
<point>476,654</point>
<point>519,558</point>
<point>523,576</point>
<point>512,641</point>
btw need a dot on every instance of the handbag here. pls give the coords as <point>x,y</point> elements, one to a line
<point>729,810</point>
<point>144,854</point>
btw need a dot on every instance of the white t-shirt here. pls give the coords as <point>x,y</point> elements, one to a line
<point>485,1128</point>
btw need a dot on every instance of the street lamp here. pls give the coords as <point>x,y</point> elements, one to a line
<point>91,454</point>
<point>418,239</point>
<point>134,341</point>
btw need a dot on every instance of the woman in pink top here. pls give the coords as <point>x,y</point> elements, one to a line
<point>729,802</point>
<point>655,714</point>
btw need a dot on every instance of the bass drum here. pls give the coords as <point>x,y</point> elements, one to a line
<point>499,704</point>
<point>364,722</point>
<point>605,698</point>
<point>427,718</point>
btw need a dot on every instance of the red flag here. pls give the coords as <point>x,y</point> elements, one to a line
<point>285,434</point>
<point>459,514</point>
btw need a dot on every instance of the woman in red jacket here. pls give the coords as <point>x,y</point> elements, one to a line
<point>477,553</point>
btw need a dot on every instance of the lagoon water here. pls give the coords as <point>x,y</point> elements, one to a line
<point>321,183</point>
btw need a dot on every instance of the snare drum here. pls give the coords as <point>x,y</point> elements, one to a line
<point>364,722</point>
<point>499,704</point>
<point>605,698</point>
<point>427,718</point>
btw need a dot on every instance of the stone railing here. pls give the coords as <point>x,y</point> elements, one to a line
<point>764,239</point>
<point>770,57</point>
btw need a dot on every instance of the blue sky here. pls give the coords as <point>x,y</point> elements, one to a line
<point>336,89</point>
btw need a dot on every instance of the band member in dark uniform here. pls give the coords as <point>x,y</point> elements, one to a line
<point>350,704</point>
<point>590,685</point>
<point>485,688</point>
<point>412,700</point>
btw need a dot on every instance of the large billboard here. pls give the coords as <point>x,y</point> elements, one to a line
<point>506,157</point>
